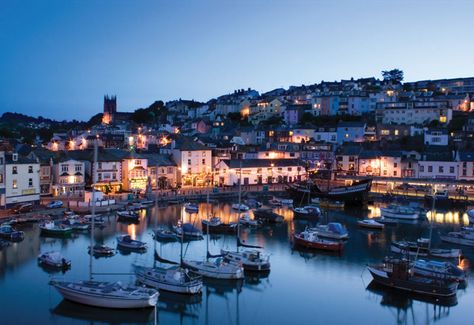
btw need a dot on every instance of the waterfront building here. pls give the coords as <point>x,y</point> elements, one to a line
<point>465,161</point>
<point>134,173</point>
<point>22,183</point>
<point>194,162</point>
<point>162,170</point>
<point>68,176</point>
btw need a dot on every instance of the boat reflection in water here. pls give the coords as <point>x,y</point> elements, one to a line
<point>403,303</point>
<point>75,311</point>
<point>186,306</point>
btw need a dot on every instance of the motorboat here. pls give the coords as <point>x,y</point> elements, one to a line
<point>188,231</point>
<point>49,228</point>
<point>421,248</point>
<point>310,239</point>
<point>253,203</point>
<point>240,207</point>
<point>333,230</point>
<point>247,221</point>
<point>370,224</point>
<point>165,235</point>
<point>396,211</point>
<point>75,223</point>
<point>98,220</point>
<point>102,250</point>
<point>191,207</point>
<point>306,212</point>
<point>267,215</point>
<point>9,233</point>
<point>128,216</point>
<point>215,225</point>
<point>127,243</point>
<point>174,279</point>
<point>439,270</point>
<point>107,294</point>
<point>216,268</point>
<point>250,259</point>
<point>54,260</point>
<point>395,273</point>
<point>458,237</point>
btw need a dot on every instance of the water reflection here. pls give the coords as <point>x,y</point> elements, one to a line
<point>295,277</point>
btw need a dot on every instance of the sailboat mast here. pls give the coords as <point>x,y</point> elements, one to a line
<point>433,212</point>
<point>182,236</point>
<point>207,226</point>
<point>240,199</point>
<point>94,180</point>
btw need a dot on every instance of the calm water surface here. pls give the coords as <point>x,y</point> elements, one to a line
<point>302,286</point>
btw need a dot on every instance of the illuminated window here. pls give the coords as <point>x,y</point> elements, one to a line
<point>385,132</point>
<point>396,132</point>
<point>442,119</point>
<point>14,184</point>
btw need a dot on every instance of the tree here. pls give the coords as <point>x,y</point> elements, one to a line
<point>394,75</point>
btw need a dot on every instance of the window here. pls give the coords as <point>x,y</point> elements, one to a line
<point>351,158</point>
<point>289,169</point>
<point>189,153</point>
<point>451,169</point>
<point>385,132</point>
<point>204,161</point>
<point>204,154</point>
<point>430,169</point>
<point>170,170</point>
<point>14,170</point>
<point>1,178</point>
<point>441,169</point>
<point>30,169</point>
<point>78,167</point>
<point>64,168</point>
<point>99,165</point>
<point>189,162</point>
<point>394,173</point>
<point>384,172</point>
<point>99,176</point>
<point>30,182</point>
<point>114,176</point>
<point>138,162</point>
<point>464,172</point>
<point>1,160</point>
<point>395,165</point>
<point>162,170</point>
<point>14,184</point>
<point>396,132</point>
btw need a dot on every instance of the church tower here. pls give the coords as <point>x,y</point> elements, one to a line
<point>110,108</point>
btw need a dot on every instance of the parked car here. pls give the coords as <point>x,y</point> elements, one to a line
<point>23,208</point>
<point>54,204</point>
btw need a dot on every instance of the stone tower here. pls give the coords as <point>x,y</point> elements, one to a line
<point>110,108</point>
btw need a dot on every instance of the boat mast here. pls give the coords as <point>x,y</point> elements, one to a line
<point>94,180</point>
<point>433,212</point>
<point>240,199</point>
<point>207,226</point>
<point>182,236</point>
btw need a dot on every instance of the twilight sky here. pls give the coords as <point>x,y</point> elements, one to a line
<point>58,58</point>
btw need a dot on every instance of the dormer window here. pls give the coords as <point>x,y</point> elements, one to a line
<point>14,170</point>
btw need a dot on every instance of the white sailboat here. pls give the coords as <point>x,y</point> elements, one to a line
<point>251,259</point>
<point>100,293</point>
<point>216,268</point>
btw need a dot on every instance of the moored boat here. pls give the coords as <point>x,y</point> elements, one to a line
<point>240,207</point>
<point>174,279</point>
<point>191,207</point>
<point>188,231</point>
<point>439,270</point>
<point>396,211</point>
<point>247,221</point>
<point>395,273</point>
<point>128,216</point>
<point>251,259</point>
<point>101,250</point>
<point>49,228</point>
<point>165,235</point>
<point>306,212</point>
<point>457,237</point>
<point>267,215</point>
<point>215,225</point>
<point>216,269</point>
<point>310,239</point>
<point>9,233</point>
<point>370,224</point>
<point>421,248</point>
<point>333,230</point>
<point>54,260</point>
<point>126,242</point>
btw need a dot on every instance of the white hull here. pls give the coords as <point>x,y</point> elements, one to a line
<point>214,272</point>
<point>393,215</point>
<point>104,301</point>
<point>459,241</point>
<point>161,284</point>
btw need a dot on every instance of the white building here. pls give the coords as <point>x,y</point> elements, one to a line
<point>134,174</point>
<point>438,169</point>
<point>194,162</point>
<point>22,183</point>
<point>320,134</point>
<point>436,137</point>
<point>465,165</point>
<point>413,112</point>
<point>69,177</point>
<point>259,171</point>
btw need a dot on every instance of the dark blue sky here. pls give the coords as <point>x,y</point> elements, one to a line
<point>58,58</point>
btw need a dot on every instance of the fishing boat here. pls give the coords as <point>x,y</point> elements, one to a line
<point>165,235</point>
<point>310,239</point>
<point>386,221</point>
<point>9,233</point>
<point>333,230</point>
<point>306,212</point>
<point>101,293</point>
<point>396,211</point>
<point>240,207</point>
<point>267,215</point>
<point>355,194</point>
<point>4,243</point>
<point>439,270</point>
<point>395,273</point>
<point>49,228</point>
<point>422,248</point>
<point>191,207</point>
<point>54,260</point>
<point>216,226</point>
<point>188,231</point>
<point>174,279</point>
<point>101,250</point>
<point>127,243</point>
<point>458,237</point>
<point>128,216</point>
<point>245,220</point>
<point>370,224</point>
<point>75,223</point>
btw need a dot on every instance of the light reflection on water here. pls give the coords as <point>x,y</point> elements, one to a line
<point>302,285</point>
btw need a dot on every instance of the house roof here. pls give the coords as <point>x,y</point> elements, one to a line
<point>20,160</point>
<point>262,163</point>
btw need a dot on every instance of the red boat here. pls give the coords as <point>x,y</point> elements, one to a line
<point>310,239</point>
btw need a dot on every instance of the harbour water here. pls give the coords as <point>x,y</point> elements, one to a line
<point>302,286</point>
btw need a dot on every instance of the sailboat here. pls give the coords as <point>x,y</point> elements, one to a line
<point>100,293</point>
<point>217,268</point>
<point>175,278</point>
<point>251,259</point>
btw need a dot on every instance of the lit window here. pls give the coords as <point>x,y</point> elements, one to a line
<point>442,119</point>
<point>14,184</point>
